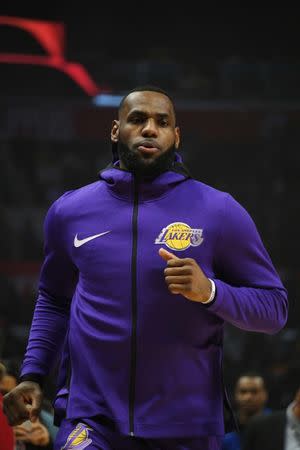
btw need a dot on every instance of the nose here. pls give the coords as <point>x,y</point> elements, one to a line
<point>149,128</point>
<point>247,396</point>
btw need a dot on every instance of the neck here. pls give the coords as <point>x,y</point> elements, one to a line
<point>122,165</point>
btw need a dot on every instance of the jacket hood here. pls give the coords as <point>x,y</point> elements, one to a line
<point>122,183</point>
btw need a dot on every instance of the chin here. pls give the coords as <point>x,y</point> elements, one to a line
<point>144,164</point>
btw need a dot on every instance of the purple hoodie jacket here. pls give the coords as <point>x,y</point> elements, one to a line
<point>149,360</point>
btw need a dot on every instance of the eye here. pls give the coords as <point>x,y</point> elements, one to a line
<point>163,123</point>
<point>136,120</point>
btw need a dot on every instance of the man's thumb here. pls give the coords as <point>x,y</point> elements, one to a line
<point>35,407</point>
<point>166,255</point>
<point>34,414</point>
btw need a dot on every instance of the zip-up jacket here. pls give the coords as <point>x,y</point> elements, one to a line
<point>148,360</point>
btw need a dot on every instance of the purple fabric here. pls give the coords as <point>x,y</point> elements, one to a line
<point>85,292</point>
<point>96,436</point>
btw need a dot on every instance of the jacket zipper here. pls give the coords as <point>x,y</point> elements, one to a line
<point>133,310</point>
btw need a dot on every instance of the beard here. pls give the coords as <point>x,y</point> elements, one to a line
<point>142,166</point>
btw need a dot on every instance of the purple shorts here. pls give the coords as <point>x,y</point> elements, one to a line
<point>100,435</point>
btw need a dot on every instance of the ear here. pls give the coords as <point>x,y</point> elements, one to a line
<point>115,129</point>
<point>177,137</point>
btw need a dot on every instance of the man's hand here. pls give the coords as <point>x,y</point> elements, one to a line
<point>184,276</point>
<point>21,433</point>
<point>36,434</point>
<point>23,403</point>
<point>39,435</point>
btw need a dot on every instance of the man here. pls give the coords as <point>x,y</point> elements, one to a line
<point>279,430</point>
<point>142,269</point>
<point>250,398</point>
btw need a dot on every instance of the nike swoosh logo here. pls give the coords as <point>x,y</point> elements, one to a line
<point>80,242</point>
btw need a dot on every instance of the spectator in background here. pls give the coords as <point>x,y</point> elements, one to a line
<point>250,398</point>
<point>279,430</point>
<point>7,440</point>
<point>32,436</point>
<point>29,436</point>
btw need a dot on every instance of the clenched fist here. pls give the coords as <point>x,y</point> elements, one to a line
<point>23,403</point>
<point>184,276</point>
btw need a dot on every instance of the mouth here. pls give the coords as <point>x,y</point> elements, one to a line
<point>148,147</point>
<point>248,406</point>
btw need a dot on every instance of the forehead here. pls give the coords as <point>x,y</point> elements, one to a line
<point>148,102</point>
<point>250,383</point>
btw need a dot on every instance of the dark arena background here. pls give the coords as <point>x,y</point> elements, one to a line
<point>235,79</point>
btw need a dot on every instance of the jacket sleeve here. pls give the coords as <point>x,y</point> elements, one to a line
<point>58,279</point>
<point>250,294</point>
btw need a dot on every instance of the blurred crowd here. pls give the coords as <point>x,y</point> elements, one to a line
<point>258,424</point>
<point>233,77</point>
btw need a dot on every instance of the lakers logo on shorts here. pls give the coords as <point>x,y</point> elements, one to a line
<point>78,439</point>
<point>180,236</point>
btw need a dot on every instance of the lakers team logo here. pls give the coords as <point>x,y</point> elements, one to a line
<point>78,439</point>
<point>180,236</point>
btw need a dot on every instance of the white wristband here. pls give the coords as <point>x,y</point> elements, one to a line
<point>213,292</point>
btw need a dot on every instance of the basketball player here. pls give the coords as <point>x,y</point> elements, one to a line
<point>142,269</point>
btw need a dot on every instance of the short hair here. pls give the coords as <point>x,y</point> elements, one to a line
<point>146,87</point>
<point>253,374</point>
